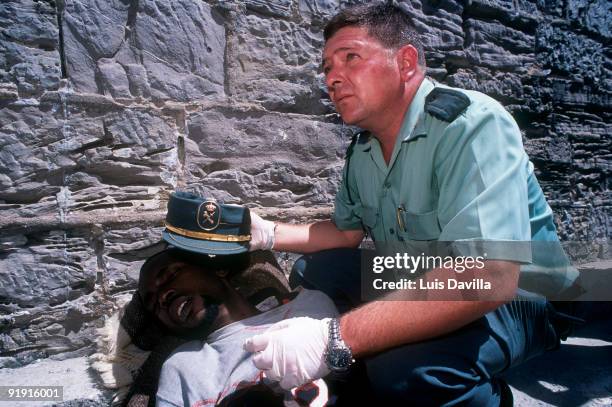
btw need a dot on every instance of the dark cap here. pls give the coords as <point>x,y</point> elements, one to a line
<point>205,226</point>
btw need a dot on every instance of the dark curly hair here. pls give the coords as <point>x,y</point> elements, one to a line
<point>231,264</point>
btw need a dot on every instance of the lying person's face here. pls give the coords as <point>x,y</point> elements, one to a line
<point>179,294</point>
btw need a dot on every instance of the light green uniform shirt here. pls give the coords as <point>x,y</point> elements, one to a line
<point>467,180</point>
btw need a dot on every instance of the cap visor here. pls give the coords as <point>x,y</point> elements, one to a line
<point>204,246</point>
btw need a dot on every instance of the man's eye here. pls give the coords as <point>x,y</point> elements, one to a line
<point>350,56</point>
<point>326,70</point>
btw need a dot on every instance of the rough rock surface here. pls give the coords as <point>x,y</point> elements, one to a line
<point>29,41</point>
<point>151,49</point>
<point>107,106</point>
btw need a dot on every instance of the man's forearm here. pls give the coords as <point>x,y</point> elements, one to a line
<point>381,325</point>
<point>313,237</point>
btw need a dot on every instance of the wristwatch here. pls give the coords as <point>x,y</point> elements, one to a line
<point>338,355</point>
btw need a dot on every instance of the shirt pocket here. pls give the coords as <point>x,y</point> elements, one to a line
<point>369,219</point>
<point>420,226</point>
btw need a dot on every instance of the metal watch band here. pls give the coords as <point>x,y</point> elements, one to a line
<point>337,350</point>
<point>334,331</point>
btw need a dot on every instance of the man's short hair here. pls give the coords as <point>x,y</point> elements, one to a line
<point>386,22</point>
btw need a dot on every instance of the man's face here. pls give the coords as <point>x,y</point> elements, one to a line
<point>362,76</point>
<point>175,293</point>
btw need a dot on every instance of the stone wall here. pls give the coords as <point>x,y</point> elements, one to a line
<point>108,105</point>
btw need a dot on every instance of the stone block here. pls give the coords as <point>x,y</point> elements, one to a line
<point>263,158</point>
<point>594,16</point>
<point>318,11</point>
<point>276,8</point>
<point>439,25</point>
<point>50,270</point>
<point>499,48</point>
<point>506,87</point>
<point>516,13</point>
<point>60,143</point>
<point>32,151</point>
<point>276,63</point>
<point>570,54</point>
<point>29,54</point>
<point>179,47</point>
<point>113,78</point>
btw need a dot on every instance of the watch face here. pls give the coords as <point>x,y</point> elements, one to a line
<point>339,359</point>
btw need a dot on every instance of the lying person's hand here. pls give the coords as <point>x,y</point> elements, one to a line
<point>262,233</point>
<point>292,351</point>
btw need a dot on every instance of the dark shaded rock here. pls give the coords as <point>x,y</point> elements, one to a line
<point>570,54</point>
<point>593,16</point>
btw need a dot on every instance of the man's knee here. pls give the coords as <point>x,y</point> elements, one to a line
<point>296,277</point>
<point>321,268</point>
<point>334,272</point>
<point>405,376</point>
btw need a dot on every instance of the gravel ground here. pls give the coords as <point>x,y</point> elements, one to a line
<point>79,388</point>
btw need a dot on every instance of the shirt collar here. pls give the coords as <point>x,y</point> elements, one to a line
<point>413,124</point>
<point>414,120</point>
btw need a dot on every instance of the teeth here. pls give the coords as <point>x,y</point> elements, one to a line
<point>180,308</point>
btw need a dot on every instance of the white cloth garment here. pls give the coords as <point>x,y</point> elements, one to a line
<point>203,373</point>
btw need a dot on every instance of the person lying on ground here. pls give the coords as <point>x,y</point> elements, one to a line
<point>190,296</point>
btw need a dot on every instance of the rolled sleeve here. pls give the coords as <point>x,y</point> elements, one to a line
<point>480,169</point>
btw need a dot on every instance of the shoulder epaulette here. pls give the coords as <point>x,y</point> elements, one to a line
<point>446,104</point>
<point>361,137</point>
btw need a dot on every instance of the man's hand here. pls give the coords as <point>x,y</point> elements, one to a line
<point>262,233</point>
<point>292,351</point>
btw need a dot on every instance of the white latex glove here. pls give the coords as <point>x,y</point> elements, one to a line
<point>262,233</point>
<point>292,351</point>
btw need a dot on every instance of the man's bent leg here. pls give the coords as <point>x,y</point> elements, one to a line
<point>460,368</point>
<point>336,272</point>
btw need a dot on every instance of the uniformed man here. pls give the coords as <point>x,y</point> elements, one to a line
<point>434,164</point>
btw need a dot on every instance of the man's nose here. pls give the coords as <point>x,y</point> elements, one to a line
<point>333,79</point>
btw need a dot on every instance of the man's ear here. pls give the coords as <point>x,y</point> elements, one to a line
<point>408,61</point>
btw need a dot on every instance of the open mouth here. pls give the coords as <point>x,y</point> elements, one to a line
<point>184,309</point>
<point>181,307</point>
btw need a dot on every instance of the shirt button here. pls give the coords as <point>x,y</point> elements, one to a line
<point>387,184</point>
<point>391,231</point>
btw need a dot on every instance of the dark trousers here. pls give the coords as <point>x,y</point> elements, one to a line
<point>459,368</point>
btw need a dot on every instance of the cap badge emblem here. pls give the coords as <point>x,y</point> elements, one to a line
<point>208,215</point>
